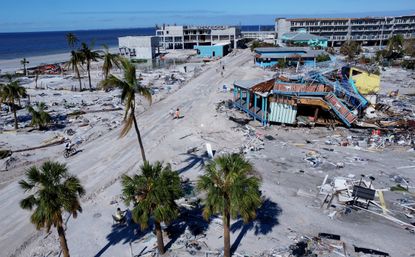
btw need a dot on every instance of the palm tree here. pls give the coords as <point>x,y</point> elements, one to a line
<point>37,73</point>
<point>72,39</point>
<point>395,47</point>
<point>24,62</point>
<point>110,60</point>
<point>89,55</point>
<point>54,191</point>
<point>9,76</point>
<point>40,117</point>
<point>129,86</point>
<point>74,64</point>
<point>350,49</point>
<point>10,93</point>
<point>231,190</point>
<point>153,194</point>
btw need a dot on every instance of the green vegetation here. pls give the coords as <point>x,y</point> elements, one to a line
<point>110,60</point>
<point>9,94</point>
<point>71,39</point>
<point>74,64</point>
<point>40,117</point>
<point>129,86</point>
<point>87,56</point>
<point>257,44</point>
<point>24,62</point>
<point>153,194</point>
<point>323,58</point>
<point>231,190</point>
<point>54,191</point>
<point>409,47</point>
<point>281,64</point>
<point>408,64</point>
<point>350,49</point>
<point>395,48</point>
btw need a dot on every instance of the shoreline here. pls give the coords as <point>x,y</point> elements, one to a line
<point>12,65</point>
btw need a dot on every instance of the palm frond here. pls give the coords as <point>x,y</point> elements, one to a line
<point>128,124</point>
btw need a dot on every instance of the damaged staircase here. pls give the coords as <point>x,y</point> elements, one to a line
<point>340,109</point>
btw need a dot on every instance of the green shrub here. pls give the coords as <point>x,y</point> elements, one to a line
<point>408,64</point>
<point>323,58</point>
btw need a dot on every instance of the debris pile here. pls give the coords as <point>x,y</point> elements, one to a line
<point>343,195</point>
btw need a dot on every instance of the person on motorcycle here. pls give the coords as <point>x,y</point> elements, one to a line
<point>68,146</point>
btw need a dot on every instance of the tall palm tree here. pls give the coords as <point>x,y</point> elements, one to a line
<point>71,39</point>
<point>24,62</point>
<point>53,192</point>
<point>153,194</point>
<point>231,190</point>
<point>129,86</point>
<point>110,60</point>
<point>89,55</point>
<point>40,117</point>
<point>10,93</point>
<point>74,64</point>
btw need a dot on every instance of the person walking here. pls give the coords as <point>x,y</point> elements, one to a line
<point>177,114</point>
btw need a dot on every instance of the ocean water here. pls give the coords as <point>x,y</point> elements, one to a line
<point>28,44</point>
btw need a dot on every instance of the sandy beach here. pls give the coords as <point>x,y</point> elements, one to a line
<point>11,65</point>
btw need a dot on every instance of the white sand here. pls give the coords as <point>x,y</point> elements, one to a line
<point>11,65</point>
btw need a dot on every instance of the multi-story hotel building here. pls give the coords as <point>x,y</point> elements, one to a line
<point>369,31</point>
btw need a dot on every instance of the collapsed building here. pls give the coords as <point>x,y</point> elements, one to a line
<point>326,98</point>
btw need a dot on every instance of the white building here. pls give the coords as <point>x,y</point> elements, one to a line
<point>186,37</point>
<point>138,47</point>
<point>369,30</point>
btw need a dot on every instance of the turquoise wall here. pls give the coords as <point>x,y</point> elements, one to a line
<point>211,51</point>
<point>317,42</point>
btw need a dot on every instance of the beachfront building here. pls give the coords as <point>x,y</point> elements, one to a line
<point>270,56</point>
<point>216,50</point>
<point>186,37</point>
<point>138,47</point>
<point>302,38</point>
<point>369,31</point>
<point>264,36</point>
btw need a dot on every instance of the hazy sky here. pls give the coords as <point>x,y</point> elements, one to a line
<point>41,15</point>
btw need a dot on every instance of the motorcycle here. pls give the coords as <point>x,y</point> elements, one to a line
<point>69,152</point>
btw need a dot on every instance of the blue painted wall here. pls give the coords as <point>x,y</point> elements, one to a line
<point>212,51</point>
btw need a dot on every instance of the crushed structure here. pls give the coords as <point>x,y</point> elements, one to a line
<point>312,99</point>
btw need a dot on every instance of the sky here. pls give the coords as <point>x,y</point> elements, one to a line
<point>57,15</point>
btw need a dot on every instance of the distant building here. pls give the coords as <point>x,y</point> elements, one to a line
<point>265,36</point>
<point>186,37</point>
<point>217,50</point>
<point>302,38</point>
<point>269,56</point>
<point>138,47</point>
<point>369,31</point>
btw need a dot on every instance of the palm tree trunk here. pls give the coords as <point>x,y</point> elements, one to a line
<point>159,234</point>
<point>89,75</point>
<point>16,125</point>
<point>62,239</point>
<point>226,232</point>
<point>143,154</point>
<point>80,82</point>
